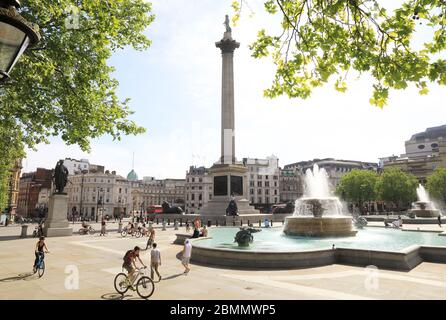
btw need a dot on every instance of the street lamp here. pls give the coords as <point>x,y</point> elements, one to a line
<point>98,202</point>
<point>16,34</point>
<point>81,212</point>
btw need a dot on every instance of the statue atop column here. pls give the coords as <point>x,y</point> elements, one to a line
<point>226,24</point>
<point>60,177</point>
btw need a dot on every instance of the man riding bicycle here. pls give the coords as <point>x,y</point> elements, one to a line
<point>130,263</point>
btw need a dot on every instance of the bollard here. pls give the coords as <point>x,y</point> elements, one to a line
<point>157,221</point>
<point>209,223</point>
<point>260,223</point>
<point>120,227</point>
<point>248,223</point>
<point>175,224</point>
<point>241,223</point>
<point>181,222</point>
<point>24,231</point>
<point>225,224</point>
<point>233,223</point>
<point>283,222</point>
<point>168,222</point>
<point>216,223</point>
<point>164,226</point>
<point>271,222</point>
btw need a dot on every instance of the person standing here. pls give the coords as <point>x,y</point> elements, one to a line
<point>186,254</point>
<point>439,220</point>
<point>151,237</point>
<point>103,227</point>
<point>155,261</point>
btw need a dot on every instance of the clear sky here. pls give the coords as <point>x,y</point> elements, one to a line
<point>174,88</point>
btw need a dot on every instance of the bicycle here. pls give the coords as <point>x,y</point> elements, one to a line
<point>135,233</point>
<point>88,230</point>
<point>40,265</point>
<point>144,285</point>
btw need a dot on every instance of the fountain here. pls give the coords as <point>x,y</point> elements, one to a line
<point>318,213</point>
<point>424,207</point>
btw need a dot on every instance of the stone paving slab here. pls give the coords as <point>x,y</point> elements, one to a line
<point>98,259</point>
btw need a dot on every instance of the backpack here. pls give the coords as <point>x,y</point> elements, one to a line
<point>127,259</point>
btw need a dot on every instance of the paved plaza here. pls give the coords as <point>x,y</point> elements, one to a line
<point>98,259</point>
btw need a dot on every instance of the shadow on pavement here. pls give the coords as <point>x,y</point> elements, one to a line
<point>114,296</point>
<point>173,276</point>
<point>21,276</point>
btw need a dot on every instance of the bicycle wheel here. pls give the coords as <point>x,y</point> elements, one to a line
<point>137,234</point>
<point>145,287</point>
<point>41,269</point>
<point>92,231</point>
<point>124,233</point>
<point>121,283</point>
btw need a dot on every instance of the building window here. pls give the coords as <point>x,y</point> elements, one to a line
<point>200,180</point>
<point>251,191</point>
<point>259,183</point>
<point>266,183</point>
<point>259,176</point>
<point>259,191</point>
<point>251,183</point>
<point>267,191</point>
<point>192,196</point>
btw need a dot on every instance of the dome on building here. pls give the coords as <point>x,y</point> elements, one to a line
<point>132,176</point>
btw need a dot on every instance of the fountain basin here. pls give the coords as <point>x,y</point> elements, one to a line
<point>319,226</point>
<point>423,209</point>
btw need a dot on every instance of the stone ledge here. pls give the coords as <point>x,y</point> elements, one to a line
<point>404,260</point>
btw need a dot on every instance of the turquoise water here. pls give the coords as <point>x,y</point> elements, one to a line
<point>273,239</point>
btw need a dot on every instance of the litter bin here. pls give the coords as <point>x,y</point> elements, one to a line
<point>24,231</point>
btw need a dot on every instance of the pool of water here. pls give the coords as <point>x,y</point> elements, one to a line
<point>273,239</point>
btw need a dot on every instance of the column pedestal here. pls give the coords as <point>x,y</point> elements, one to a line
<point>57,224</point>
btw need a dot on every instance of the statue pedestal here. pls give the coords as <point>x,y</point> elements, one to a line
<point>229,179</point>
<point>57,224</point>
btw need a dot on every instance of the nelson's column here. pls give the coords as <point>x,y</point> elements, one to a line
<point>229,176</point>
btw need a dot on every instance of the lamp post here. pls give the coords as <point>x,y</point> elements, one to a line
<point>98,202</point>
<point>81,212</point>
<point>16,34</point>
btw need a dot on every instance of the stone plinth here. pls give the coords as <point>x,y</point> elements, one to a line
<point>319,227</point>
<point>223,175</point>
<point>57,224</point>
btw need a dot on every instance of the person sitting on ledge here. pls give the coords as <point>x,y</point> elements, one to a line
<point>204,232</point>
<point>196,233</point>
<point>266,223</point>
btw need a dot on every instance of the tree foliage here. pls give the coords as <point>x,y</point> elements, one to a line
<point>358,186</point>
<point>436,184</point>
<point>397,187</point>
<point>63,86</point>
<point>325,38</point>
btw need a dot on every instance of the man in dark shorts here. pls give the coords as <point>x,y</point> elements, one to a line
<point>130,262</point>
